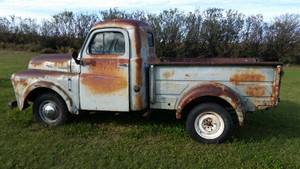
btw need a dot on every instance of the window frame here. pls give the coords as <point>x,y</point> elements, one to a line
<point>86,53</point>
<point>107,47</point>
<point>152,39</point>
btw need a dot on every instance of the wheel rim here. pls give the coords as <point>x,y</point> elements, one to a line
<point>48,111</point>
<point>209,125</point>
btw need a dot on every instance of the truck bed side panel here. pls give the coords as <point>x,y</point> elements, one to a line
<point>254,84</point>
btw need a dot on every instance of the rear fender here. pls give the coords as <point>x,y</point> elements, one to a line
<point>215,90</point>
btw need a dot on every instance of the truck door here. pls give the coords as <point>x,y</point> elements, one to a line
<point>104,81</point>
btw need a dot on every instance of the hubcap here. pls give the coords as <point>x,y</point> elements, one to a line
<point>209,125</point>
<point>48,111</point>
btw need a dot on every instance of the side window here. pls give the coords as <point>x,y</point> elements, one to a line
<point>150,39</point>
<point>109,43</point>
<point>96,45</point>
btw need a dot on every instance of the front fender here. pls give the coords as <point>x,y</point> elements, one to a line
<point>53,87</point>
<point>215,90</point>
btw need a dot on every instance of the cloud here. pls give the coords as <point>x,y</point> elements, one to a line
<point>44,9</point>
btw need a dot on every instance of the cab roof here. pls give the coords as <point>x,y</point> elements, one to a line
<point>122,23</point>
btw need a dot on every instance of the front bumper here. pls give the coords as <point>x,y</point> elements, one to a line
<point>12,104</point>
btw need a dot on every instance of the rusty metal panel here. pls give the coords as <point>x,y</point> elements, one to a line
<point>212,61</point>
<point>168,102</point>
<point>216,73</point>
<point>152,85</point>
<point>26,81</point>
<point>170,88</point>
<point>141,54</point>
<point>255,84</point>
<point>59,62</point>
<point>138,90</point>
<point>122,23</point>
<point>104,81</point>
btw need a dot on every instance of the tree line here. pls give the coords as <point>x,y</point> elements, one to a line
<point>213,32</point>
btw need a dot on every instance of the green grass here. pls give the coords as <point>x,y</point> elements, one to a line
<point>269,139</point>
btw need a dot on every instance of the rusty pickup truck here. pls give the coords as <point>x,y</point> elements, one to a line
<point>117,70</point>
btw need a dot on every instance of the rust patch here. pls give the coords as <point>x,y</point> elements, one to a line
<point>235,83</point>
<point>25,77</point>
<point>21,82</point>
<point>106,67</point>
<point>187,75</point>
<point>105,76</point>
<point>248,77</point>
<point>52,58</point>
<point>38,74</point>
<point>138,101</point>
<point>168,74</point>
<point>59,61</point>
<point>49,85</point>
<point>121,23</point>
<point>22,79</point>
<point>255,90</point>
<point>139,82</point>
<point>138,71</point>
<point>274,95</point>
<point>178,115</point>
<point>276,87</point>
<point>138,42</point>
<point>208,89</point>
<point>212,89</point>
<point>103,84</point>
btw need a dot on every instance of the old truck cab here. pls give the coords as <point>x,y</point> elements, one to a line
<point>117,70</point>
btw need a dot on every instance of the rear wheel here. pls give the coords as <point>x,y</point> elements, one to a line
<point>50,109</point>
<point>209,123</point>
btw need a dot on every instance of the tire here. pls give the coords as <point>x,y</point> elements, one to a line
<point>50,109</point>
<point>209,123</point>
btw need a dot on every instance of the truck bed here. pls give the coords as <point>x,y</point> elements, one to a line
<point>256,83</point>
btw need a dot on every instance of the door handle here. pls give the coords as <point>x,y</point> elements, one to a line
<point>123,64</point>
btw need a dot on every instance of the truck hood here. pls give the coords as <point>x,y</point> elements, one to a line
<point>56,62</point>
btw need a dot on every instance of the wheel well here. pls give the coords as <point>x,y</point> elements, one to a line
<point>34,93</point>
<point>207,99</point>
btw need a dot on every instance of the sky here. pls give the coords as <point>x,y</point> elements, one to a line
<point>39,9</point>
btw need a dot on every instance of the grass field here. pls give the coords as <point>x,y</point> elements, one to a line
<point>269,139</point>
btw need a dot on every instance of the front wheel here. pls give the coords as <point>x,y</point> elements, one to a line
<point>209,123</point>
<point>50,109</point>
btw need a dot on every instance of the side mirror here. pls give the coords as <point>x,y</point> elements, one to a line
<point>74,56</point>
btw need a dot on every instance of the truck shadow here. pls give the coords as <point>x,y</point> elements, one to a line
<point>129,118</point>
<point>279,122</point>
